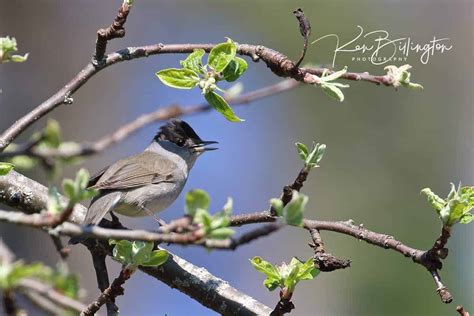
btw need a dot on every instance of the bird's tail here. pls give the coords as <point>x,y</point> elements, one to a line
<point>99,207</point>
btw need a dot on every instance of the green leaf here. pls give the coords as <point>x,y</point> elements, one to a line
<point>315,156</point>
<point>227,209</point>
<point>194,61</point>
<point>333,91</point>
<point>293,211</point>
<point>19,58</point>
<point>277,205</point>
<point>54,204</point>
<point>196,199</point>
<point>436,202</point>
<point>157,258</point>
<point>141,252</point>
<point>52,133</point>
<point>334,75</point>
<point>82,179</point>
<point>122,251</point>
<point>221,55</point>
<point>221,106</point>
<point>265,267</point>
<point>271,283</point>
<point>23,162</point>
<point>178,78</point>
<point>69,189</point>
<point>221,233</point>
<point>307,270</point>
<point>10,276</point>
<point>400,76</point>
<point>203,217</point>
<point>457,206</point>
<point>235,69</point>
<point>5,168</point>
<point>466,218</point>
<point>302,150</point>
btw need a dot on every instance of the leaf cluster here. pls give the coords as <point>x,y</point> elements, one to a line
<point>457,206</point>
<point>8,47</point>
<point>216,226</point>
<point>222,64</point>
<point>138,253</point>
<point>285,276</point>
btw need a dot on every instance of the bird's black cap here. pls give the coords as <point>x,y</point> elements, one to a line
<point>180,133</point>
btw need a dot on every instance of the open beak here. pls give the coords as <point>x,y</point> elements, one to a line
<point>200,148</point>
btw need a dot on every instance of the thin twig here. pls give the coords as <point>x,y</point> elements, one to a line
<point>461,311</point>
<point>305,30</point>
<point>116,30</point>
<point>63,251</point>
<point>162,114</point>
<point>109,294</point>
<point>51,294</point>
<point>324,261</point>
<point>276,61</point>
<point>102,275</point>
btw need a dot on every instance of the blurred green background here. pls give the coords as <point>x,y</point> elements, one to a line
<point>384,146</point>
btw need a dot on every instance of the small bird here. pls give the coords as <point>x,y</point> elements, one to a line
<point>150,181</point>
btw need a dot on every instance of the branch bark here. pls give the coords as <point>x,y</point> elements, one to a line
<point>178,273</point>
<point>277,62</point>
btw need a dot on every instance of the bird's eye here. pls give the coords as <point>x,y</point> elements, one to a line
<point>180,142</point>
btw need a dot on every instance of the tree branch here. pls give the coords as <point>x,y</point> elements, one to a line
<point>193,281</point>
<point>52,295</point>
<point>162,114</point>
<point>109,294</point>
<point>276,61</point>
<point>116,30</point>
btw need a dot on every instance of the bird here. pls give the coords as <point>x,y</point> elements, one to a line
<point>150,181</point>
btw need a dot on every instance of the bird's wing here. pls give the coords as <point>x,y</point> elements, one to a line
<point>136,171</point>
<point>95,177</point>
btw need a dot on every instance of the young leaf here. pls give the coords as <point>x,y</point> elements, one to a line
<point>178,78</point>
<point>265,267</point>
<point>314,157</point>
<point>293,211</point>
<point>302,151</point>
<point>436,202</point>
<point>52,133</point>
<point>157,258</point>
<point>333,91</point>
<point>203,217</point>
<point>235,69</point>
<point>141,252</point>
<point>221,55</point>
<point>122,251</point>
<point>196,199</point>
<point>69,189</point>
<point>221,106</point>
<point>307,270</point>
<point>227,209</point>
<point>277,205</point>
<point>221,233</point>
<point>194,61</point>
<point>334,75</point>
<point>5,168</point>
<point>54,204</point>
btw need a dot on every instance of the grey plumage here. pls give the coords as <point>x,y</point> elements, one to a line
<point>149,181</point>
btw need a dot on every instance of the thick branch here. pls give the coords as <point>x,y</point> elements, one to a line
<point>193,281</point>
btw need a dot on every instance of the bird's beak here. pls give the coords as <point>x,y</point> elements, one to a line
<point>200,148</point>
